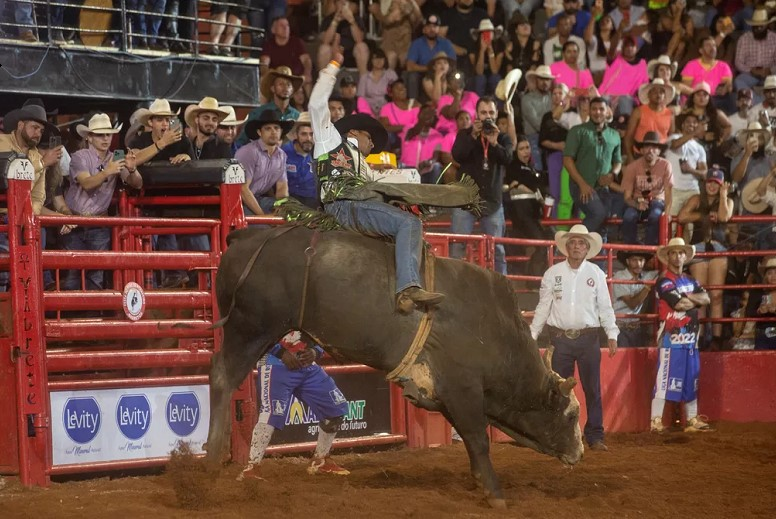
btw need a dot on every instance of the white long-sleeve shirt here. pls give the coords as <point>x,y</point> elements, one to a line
<point>574,299</point>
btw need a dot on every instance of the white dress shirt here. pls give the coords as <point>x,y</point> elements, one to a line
<point>574,299</point>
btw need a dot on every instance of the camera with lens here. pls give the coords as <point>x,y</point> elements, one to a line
<point>489,126</point>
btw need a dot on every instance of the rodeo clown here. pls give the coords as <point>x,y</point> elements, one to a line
<point>289,369</point>
<point>341,149</point>
<point>679,297</point>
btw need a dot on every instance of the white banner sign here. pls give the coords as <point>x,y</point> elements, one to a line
<point>126,424</point>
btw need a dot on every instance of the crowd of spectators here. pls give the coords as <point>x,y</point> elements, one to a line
<point>620,111</point>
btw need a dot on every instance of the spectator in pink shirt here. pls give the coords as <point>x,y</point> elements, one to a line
<point>716,73</point>
<point>422,146</point>
<point>399,114</point>
<point>623,77</point>
<point>455,100</point>
<point>569,73</point>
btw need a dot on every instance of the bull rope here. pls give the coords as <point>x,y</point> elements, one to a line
<point>424,328</point>
<point>275,233</point>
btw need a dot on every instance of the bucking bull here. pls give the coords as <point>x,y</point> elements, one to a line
<point>479,365</point>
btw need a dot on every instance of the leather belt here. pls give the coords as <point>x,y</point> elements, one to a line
<point>572,334</point>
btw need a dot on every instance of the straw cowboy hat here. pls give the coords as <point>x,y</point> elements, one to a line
<point>303,119</point>
<point>231,118</point>
<point>661,60</point>
<point>579,231</point>
<point>760,17</point>
<point>750,199</point>
<point>159,108</point>
<point>645,89</point>
<point>542,71</point>
<point>651,139</point>
<point>99,124</point>
<point>441,55</point>
<point>624,255</point>
<point>367,124</point>
<point>208,104</point>
<point>269,79</point>
<point>266,117</point>
<point>770,83</point>
<point>673,244</point>
<point>506,87</point>
<point>765,264</point>
<point>752,128</point>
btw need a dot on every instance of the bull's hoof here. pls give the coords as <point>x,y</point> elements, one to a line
<point>498,504</point>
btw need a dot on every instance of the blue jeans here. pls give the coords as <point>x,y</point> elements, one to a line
<point>596,209</point>
<point>22,12</point>
<point>85,238</point>
<point>492,225</point>
<point>586,352</point>
<point>633,216</point>
<point>385,220</point>
<point>263,17</point>
<point>536,152</point>
<point>486,84</point>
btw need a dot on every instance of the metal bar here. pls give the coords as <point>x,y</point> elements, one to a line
<point>121,383</point>
<point>118,221</point>
<point>113,300</point>
<point>102,466</point>
<point>339,443</point>
<point>110,260</point>
<point>134,359</point>
<point>151,329</point>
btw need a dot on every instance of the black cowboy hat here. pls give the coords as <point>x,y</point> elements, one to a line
<point>367,124</point>
<point>39,102</point>
<point>623,255</point>
<point>267,117</point>
<point>26,113</point>
<point>652,139</point>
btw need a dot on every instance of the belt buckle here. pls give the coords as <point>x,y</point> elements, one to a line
<point>572,334</point>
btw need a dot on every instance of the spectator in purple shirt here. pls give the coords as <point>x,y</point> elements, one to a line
<point>93,177</point>
<point>264,162</point>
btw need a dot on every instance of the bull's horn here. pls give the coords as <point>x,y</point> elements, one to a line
<point>547,357</point>
<point>566,385</point>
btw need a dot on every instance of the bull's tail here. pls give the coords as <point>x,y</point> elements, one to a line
<point>275,233</point>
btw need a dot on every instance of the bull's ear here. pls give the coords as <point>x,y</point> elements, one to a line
<point>565,386</point>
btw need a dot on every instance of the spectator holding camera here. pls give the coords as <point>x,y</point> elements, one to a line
<point>647,186</point>
<point>483,152</point>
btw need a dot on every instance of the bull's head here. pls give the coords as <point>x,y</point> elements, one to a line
<point>549,422</point>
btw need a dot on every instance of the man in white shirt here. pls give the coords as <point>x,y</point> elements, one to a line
<point>574,303</point>
<point>688,162</point>
<point>629,298</point>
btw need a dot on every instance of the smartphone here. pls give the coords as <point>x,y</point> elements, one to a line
<point>175,124</point>
<point>55,141</point>
<point>118,155</point>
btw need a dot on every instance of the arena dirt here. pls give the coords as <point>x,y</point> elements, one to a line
<point>730,473</point>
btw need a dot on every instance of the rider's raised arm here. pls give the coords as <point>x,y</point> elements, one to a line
<point>326,135</point>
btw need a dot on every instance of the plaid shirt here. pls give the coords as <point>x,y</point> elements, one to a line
<point>756,53</point>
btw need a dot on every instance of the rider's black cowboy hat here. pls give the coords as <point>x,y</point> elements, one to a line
<point>267,117</point>
<point>367,124</point>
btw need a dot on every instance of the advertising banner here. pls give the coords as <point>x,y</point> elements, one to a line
<point>369,411</point>
<point>125,424</point>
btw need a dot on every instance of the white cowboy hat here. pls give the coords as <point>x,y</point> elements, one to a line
<point>542,71</point>
<point>661,60</point>
<point>579,231</point>
<point>304,118</point>
<point>208,104</point>
<point>770,83</point>
<point>160,107</point>
<point>99,124</point>
<point>656,83</point>
<point>765,264</point>
<point>751,201</point>
<point>675,243</point>
<point>506,87</point>
<point>231,119</point>
<point>760,17</point>
<point>753,127</point>
<point>487,25</point>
